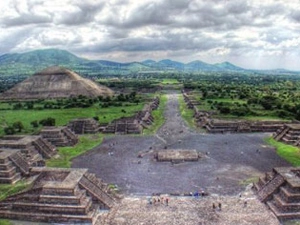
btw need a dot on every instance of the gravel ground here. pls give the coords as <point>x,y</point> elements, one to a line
<point>229,159</point>
<point>190,211</point>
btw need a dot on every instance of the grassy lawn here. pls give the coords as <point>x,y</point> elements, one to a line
<point>289,152</point>
<point>187,114</point>
<point>9,189</point>
<point>170,81</point>
<point>5,222</point>
<point>66,154</point>
<point>158,116</point>
<point>63,116</point>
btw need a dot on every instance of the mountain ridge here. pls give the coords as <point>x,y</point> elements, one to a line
<point>30,62</point>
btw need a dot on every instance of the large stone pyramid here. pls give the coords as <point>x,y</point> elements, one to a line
<point>55,82</point>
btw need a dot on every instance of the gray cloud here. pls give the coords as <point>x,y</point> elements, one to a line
<point>222,29</point>
<point>85,13</point>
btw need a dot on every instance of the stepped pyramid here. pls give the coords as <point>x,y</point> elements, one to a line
<point>12,166</point>
<point>280,190</point>
<point>289,134</point>
<point>55,82</point>
<point>59,195</point>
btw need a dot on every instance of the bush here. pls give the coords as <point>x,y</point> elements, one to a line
<point>47,122</point>
<point>9,130</point>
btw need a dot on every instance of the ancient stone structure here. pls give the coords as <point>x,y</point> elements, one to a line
<point>242,126</point>
<point>134,124</point>
<point>33,148</point>
<point>84,126</point>
<point>12,166</point>
<point>59,196</point>
<point>128,125</point>
<point>55,82</point>
<point>203,119</point>
<point>289,134</point>
<point>177,155</point>
<point>59,136</point>
<point>280,190</point>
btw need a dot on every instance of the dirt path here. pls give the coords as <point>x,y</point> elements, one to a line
<point>231,159</point>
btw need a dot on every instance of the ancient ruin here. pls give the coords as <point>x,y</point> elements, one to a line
<point>34,149</point>
<point>204,119</point>
<point>280,190</point>
<point>59,136</point>
<point>177,155</point>
<point>134,124</point>
<point>84,126</point>
<point>289,134</point>
<point>55,82</point>
<point>60,196</point>
<point>12,166</point>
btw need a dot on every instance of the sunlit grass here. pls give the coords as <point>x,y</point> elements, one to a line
<point>158,116</point>
<point>10,189</point>
<point>186,113</point>
<point>66,154</point>
<point>289,152</point>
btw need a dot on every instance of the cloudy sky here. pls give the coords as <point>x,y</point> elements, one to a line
<point>260,34</point>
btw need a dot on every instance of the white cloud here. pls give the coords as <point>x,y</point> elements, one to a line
<point>220,30</point>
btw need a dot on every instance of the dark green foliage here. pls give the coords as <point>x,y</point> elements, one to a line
<point>18,126</point>
<point>47,122</point>
<point>9,130</point>
<point>34,123</point>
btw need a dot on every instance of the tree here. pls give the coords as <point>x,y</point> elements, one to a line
<point>47,122</point>
<point>34,123</point>
<point>9,130</point>
<point>18,126</point>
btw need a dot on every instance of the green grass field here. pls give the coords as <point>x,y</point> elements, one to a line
<point>9,189</point>
<point>63,116</point>
<point>187,114</point>
<point>66,154</point>
<point>5,222</point>
<point>169,81</point>
<point>158,116</point>
<point>289,152</point>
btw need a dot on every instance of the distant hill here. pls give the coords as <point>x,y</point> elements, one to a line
<point>31,62</point>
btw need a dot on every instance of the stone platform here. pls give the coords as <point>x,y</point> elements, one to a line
<point>33,148</point>
<point>12,166</point>
<point>59,196</point>
<point>280,190</point>
<point>177,155</point>
<point>289,134</point>
<point>59,136</point>
<point>84,126</point>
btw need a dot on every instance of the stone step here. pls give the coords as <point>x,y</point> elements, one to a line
<point>283,215</point>
<point>48,217</point>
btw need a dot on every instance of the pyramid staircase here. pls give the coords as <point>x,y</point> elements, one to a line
<point>59,196</point>
<point>281,192</point>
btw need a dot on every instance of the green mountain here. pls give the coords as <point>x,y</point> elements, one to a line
<point>28,63</point>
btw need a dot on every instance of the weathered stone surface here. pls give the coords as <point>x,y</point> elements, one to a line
<point>177,155</point>
<point>280,190</point>
<point>55,82</point>
<point>59,195</point>
<point>59,136</point>
<point>84,126</point>
<point>289,134</point>
<point>33,148</point>
<point>12,166</point>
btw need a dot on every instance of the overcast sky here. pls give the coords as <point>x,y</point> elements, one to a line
<point>260,34</point>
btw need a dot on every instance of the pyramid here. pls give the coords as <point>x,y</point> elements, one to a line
<point>55,82</point>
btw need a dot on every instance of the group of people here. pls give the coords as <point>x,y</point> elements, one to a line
<point>155,200</point>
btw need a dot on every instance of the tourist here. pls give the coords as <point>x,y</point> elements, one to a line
<point>214,206</point>
<point>167,201</point>
<point>245,204</point>
<point>220,206</point>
